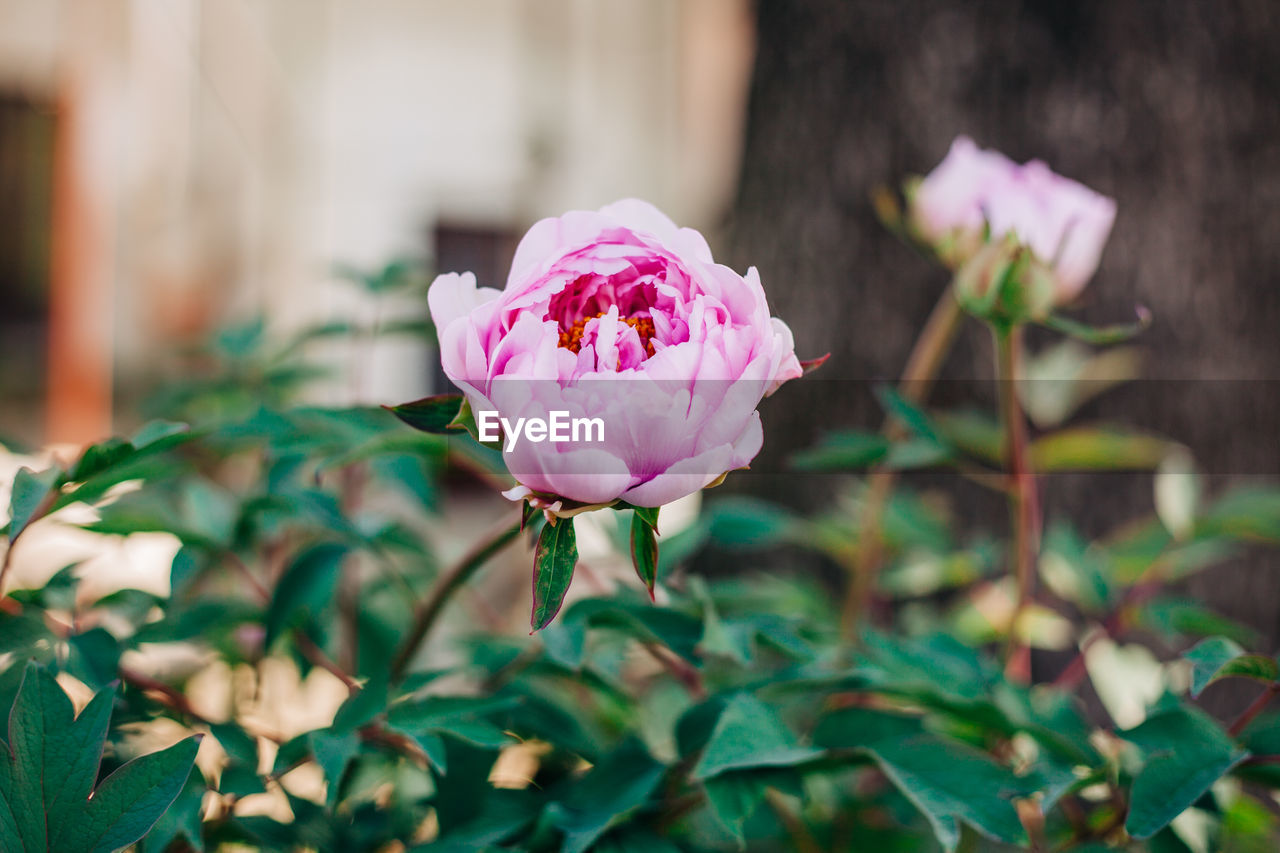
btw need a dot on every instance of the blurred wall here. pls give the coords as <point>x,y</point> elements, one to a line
<point>227,152</point>
<point>1173,108</point>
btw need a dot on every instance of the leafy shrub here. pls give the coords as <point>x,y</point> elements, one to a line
<point>757,710</point>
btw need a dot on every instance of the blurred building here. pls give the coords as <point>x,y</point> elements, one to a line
<point>167,165</point>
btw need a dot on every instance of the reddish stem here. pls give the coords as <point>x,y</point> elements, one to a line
<point>1024,507</point>
<point>1254,709</point>
<point>922,367</point>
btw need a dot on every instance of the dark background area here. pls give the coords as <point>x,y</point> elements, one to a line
<point>1169,107</point>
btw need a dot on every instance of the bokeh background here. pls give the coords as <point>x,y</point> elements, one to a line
<point>168,166</point>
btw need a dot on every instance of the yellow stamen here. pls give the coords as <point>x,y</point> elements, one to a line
<point>571,338</point>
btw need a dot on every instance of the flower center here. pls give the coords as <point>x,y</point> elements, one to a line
<point>571,338</point>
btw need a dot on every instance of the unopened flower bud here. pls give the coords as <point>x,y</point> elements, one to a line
<point>1005,284</point>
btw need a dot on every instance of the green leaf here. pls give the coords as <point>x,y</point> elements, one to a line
<point>644,551</point>
<point>1220,657</point>
<point>156,432</point>
<point>188,564</point>
<point>648,514</point>
<point>463,718</point>
<point>977,434</point>
<point>844,450</point>
<point>99,457</point>
<point>333,751</point>
<point>730,641</point>
<point>947,781</point>
<point>675,629</point>
<point>1099,335</point>
<point>734,798</point>
<point>30,490</point>
<point>605,796</point>
<point>306,589</point>
<point>916,453</point>
<point>182,820</point>
<point>242,339</point>
<point>434,414</point>
<point>739,522</point>
<point>553,564</point>
<point>1250,513</point>
<point>94,657</point>
<point>850,728</point>
<point>1098,449</point>
<point>1186,752</point>
<point>1174,619</point>
<point>910,414</point>
<point>239,746</point>
<point>362,706</point>
<point>749,733</point>
<point>951,783</point>
<point>47,774</point>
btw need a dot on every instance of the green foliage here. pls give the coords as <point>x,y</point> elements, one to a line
<point>1219,657</point>
<point>48,796</point>
<point>684,713</point>
<point>553,565</point>
<point>1185,753</point>
<point>644,548</point>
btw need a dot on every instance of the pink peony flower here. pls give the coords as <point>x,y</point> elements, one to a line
<point>1064,223</point>
<point>620,316</point>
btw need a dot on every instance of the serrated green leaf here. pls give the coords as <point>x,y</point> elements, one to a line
<point>30,490</point>
<point>644,551</point>
<point>749,733</point>
<point>1219,657</point>
<point>553,563</point>
<point>1186,752</point>
<point>47,774</point>
<point>434,414</point>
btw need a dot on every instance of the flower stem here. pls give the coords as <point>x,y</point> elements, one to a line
<point>926,358</point>
<point>428,611</point>
<point>1024,511</point>
<point>1254,709</point>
